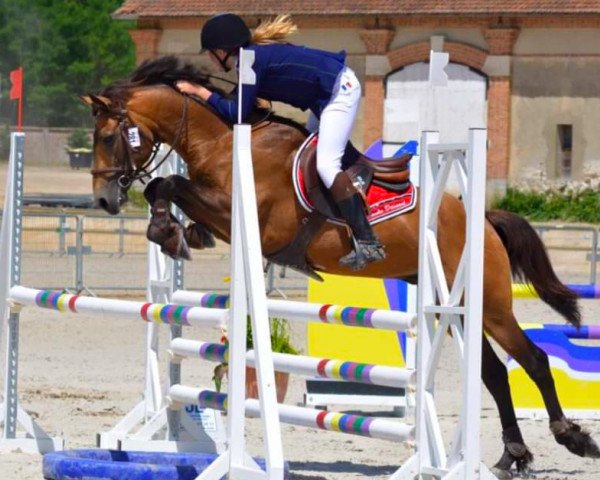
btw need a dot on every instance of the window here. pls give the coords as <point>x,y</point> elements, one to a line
<point>565,147</point>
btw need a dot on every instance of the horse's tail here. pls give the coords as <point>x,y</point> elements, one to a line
<point>529,262</point>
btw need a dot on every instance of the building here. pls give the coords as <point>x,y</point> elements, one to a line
<point>528,70</point>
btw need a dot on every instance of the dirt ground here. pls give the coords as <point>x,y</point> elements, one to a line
<point>80,375</point>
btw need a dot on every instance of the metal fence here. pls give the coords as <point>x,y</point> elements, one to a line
<point>97,253</point>
<point>101,253</point>
<point>573,250</point>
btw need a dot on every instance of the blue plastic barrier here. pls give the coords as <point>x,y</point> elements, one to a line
<point>121,465</point>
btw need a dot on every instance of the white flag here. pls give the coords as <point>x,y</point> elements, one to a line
<point>437,62</point>
<point>247,75</point>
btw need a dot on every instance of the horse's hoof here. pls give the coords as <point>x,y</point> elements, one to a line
<point>502,474</point>
<point>591,449</point>
<point>176,248</point>
<point>575,439</point>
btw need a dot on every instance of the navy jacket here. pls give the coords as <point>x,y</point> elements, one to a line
<point>299,76</point>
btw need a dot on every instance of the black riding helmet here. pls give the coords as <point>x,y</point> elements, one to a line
<point>226,31</point>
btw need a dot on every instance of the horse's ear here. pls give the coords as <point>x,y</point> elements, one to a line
<point>86,100</point>
<point>102,102</point>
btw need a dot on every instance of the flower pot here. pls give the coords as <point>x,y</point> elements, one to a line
<point>281,384</point>
<point>80,158</point>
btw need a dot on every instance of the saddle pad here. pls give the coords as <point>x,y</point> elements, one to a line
<point>384,204</point>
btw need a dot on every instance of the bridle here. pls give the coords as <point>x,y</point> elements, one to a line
<point>126,171</point>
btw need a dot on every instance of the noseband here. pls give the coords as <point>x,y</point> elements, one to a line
<point>126,171</point>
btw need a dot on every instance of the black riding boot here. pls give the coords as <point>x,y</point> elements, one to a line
<point>366,245</point>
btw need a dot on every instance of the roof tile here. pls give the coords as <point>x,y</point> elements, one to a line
<point>190,8</point>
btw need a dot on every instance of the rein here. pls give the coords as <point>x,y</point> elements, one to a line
<point>129,172</point>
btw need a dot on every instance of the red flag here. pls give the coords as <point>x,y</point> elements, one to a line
<point>16,78</point>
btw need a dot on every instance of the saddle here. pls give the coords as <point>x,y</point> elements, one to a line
<point>384,184</point>
<point>390,173</point>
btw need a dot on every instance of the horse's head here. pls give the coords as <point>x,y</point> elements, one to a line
<point>123,144</point>
<point>130,116</point>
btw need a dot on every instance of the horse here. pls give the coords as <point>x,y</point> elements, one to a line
<point>133,115</point>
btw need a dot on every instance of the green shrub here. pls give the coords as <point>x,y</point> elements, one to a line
<point>280,343</point>
<point>280,336</point>
<point>79,138</point>
<point>566,203</point>
<point>137,199</point>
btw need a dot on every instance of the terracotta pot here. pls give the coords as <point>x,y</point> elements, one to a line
<point>281,384</point>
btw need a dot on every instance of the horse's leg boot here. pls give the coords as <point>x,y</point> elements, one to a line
<point>367,247</point>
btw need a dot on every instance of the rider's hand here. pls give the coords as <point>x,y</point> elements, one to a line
<point>193,89</point>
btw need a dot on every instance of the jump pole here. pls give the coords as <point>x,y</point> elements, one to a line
<point>301,364</point>
<point>301,416</point>
<point>311,312</point>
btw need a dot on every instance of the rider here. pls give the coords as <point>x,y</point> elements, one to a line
<point>304,78</point>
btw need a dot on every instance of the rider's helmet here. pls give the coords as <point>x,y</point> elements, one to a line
<point>226,31</point>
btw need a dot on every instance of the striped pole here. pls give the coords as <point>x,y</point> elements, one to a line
<point>312,312</point>
<point>303,365</point>
<point>301,416</point>
<point>589,291</point>
<point>586,332</point>
<point>149,312</point>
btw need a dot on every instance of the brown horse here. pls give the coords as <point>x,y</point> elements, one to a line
<point>148,101</point>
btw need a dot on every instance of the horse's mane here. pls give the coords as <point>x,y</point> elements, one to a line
<point>166,71</point>
<point>159,71</point>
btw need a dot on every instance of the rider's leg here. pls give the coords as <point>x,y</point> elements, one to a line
<point>350,203</point>
<point>336,122</point>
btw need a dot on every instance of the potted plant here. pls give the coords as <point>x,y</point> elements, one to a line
<point>79,149</point>
<point>280,343</point>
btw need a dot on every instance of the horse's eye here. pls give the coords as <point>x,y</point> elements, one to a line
<point>109,140</point>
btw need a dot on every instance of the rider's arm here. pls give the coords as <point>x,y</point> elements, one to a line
<point>228,107</point>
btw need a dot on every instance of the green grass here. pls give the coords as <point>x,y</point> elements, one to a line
<point>566,204</point>
<point>136,199</point>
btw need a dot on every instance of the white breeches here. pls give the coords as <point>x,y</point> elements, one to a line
<point>335,125</point>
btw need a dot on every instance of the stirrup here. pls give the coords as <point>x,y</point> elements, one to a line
<point>364,252</point>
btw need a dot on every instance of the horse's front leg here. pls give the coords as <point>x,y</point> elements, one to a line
<point>164,229</point>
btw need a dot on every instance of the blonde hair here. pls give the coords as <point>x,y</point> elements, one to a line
<point>274,31</point>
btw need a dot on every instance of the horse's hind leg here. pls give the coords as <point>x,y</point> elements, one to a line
<point>535,362</point>
<point>495,378</point>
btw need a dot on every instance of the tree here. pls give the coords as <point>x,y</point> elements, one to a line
<point>67,48</point>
